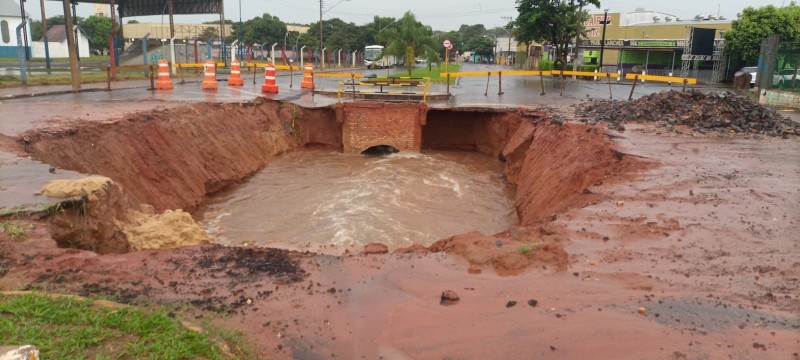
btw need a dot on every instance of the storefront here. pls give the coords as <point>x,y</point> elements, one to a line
<point>644,41</point>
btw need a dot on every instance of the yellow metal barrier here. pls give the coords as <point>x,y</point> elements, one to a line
<point>669,79</point>
<point>484,73</point>
<point>353,87</point>
<point>583,73</point>
<point>339,74</point>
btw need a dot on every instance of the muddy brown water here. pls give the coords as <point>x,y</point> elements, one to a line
<point>316,198</point>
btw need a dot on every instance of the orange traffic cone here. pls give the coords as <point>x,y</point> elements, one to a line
<point>210,79</point>
<point>163,82</point>
<point>308,77</point>
<point>269,80</point>
<point>236,78</point>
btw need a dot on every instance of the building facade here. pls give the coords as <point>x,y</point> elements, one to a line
<point>647,41</point>
<point>10,18</point>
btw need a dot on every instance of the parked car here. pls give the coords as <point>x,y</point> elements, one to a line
<point>752,70</point>
<point>783,78</point>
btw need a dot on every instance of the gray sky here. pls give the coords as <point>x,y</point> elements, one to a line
<point>439,14</point>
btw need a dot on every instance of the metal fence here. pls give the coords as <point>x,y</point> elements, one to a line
<point>787,67</point>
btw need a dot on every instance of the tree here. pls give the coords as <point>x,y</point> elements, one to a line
<point>37,32</point>
<point>744,39</point>
<point>482,46</point>
<point>408,38</point>
<point>98,29</point>
<point>553,22</point>
<point>266,29</point>
<point>210,33</point>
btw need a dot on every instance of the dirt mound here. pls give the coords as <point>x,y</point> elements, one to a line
<point>703,112</point>
<point>172,228</point>
<point>507,255</point>
<point>63,188</point>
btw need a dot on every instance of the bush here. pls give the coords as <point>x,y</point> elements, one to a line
<point>546,65</point>
<point>588,68</point>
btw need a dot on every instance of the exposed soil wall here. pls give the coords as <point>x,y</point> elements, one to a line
<point>552,164</point>
<point>173,158</point>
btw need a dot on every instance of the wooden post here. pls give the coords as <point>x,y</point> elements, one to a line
<point>108,78</point>
<point>541,80</point>
<point>635,80</point>
<point>685,81</point>
<point>499,83</point>
<point>152,80</point>
<point>73,56</point>
<point>562,83</point>
<point>488,76</point>
<point>610,95</point>
<point>448,83</point>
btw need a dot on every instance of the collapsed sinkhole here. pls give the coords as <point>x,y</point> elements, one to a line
<point>175,158</point>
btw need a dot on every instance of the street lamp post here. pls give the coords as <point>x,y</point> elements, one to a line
<point>241,31</point>
<point>603,39</point>
<point>322,63</point>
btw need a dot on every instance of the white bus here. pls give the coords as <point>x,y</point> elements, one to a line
<point>371,60</point>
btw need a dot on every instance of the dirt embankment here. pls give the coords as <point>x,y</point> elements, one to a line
<point>172,158</point>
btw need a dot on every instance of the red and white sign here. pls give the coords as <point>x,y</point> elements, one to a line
<point>447,44</point>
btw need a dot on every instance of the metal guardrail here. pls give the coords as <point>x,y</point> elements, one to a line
<point>383,86</point>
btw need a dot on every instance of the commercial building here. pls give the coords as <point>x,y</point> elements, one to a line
<point>651,42</point>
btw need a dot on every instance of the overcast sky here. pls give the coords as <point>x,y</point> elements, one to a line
<point>439,14</point>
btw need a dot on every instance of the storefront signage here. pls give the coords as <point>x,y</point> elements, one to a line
<point>636,43</point>
<point>596,20</point>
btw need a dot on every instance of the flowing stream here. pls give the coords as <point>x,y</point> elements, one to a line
<point>316,198</point>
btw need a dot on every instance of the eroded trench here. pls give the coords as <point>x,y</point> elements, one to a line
<point>518,168</point>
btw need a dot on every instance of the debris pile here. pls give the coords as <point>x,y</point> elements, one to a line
<point>703,112</point>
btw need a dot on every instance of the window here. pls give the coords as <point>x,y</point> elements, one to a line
<point>4,31</point>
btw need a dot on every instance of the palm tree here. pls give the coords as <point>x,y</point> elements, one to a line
<point>408,38</point>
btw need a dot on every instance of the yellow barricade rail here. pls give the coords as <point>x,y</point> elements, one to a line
<point>485,73</point>
<point>410,87</point>
<point>583,73</point>
<point>669,79</point>
<point>339,74</point>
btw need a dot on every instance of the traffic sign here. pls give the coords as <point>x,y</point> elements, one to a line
<point>447,44</point>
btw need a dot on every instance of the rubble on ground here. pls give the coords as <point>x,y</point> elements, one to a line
<point>724,112</point>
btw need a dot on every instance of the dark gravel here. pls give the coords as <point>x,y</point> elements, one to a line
<point>702,112</point>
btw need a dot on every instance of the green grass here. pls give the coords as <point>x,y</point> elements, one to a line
<point>7,81</point>
<point>525,249</point>
<point>72,328</point>
<point>433,74</point>
<point>14,231</point>
<point>93,58</point>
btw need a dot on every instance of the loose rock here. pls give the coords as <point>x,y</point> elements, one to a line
<point>511,303</point>
<point>700,111</point>
<point>449,297</point>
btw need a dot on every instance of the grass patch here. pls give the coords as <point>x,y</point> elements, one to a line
<point>525,249</point>
<point>14,231</point>
<point>7,81</point>
<point>433,74</point>
<point>72,328</point>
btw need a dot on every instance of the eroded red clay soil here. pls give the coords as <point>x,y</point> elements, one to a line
<point>672,247</point>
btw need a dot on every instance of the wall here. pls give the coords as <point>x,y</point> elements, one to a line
<point>8,38</point>
<point>59,50</point>
<point>380,123</point>
<point>781,98</point>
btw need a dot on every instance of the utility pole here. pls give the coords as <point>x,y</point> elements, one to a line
<point>577,40</point>
<point>320,33</point>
